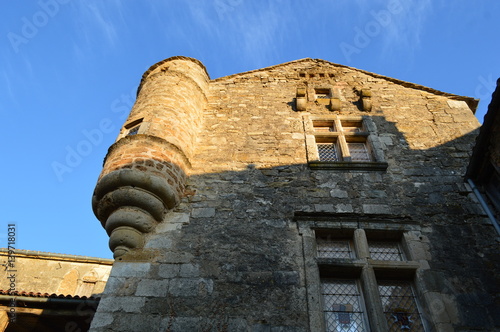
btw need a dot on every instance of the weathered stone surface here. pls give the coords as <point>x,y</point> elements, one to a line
<point>237,251</point>
<point>152,287</point>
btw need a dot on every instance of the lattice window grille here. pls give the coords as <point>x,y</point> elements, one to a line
<point>328,248</point>
<point>343,306</point>
<point>400,306</point>
<point>358,152</point>
<point>328,152</point>
<point>385,251</point>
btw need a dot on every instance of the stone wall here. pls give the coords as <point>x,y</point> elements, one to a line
<point>237,252</point>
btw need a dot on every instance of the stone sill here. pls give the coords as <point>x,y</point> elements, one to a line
<point>345,165</point>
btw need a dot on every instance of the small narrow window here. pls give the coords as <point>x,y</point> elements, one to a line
<point>133,127</point>
<point>133,131</point>
<point>322,93</point>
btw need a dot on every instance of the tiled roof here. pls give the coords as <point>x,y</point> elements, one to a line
<point>47,295</point>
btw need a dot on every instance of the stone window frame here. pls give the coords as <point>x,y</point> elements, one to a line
<point>367,271</point>
<point>134,127</point>
<point>368,136</point>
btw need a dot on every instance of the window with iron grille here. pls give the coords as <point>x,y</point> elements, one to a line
<point>328,151</point>
<point>345,302</point>
<point>334,248</point>
<point>341,140</point>
<point>344,308</point>
<point>342,143</point>
<point>400,306</point>
<point>385,250</point>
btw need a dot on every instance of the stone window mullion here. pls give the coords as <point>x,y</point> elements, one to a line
<point>346,155</point>
<point>369,284</point>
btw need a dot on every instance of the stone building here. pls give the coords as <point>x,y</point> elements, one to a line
<point>306,196</point>
<point>42,291</point>
<point>483,173</point>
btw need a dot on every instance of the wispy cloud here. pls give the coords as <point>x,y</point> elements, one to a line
<point>255,30</point>
<point>8,87</point>
<point>407,25</point>
<point>8,94</point>
<point>98,23</point>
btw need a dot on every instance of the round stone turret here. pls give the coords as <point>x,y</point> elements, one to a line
<point>145,170</point>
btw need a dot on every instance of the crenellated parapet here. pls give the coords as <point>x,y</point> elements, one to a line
<point>144,172</point>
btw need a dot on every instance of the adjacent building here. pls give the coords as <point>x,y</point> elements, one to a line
<point>42,291</point>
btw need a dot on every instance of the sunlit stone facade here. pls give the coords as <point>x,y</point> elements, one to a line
<point>218,193</point>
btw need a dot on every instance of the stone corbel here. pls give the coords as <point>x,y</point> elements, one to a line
<point>334,104</point>
<point>301,99</point>
<point>366,100</point>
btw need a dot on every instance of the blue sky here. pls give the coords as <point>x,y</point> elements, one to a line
<point>69,70</point>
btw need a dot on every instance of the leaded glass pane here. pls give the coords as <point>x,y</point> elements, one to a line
<point>358,152</point>
<point>327,152</point>
<point>328,248</point>
<point>400,306</point>
<point>342,306</point>
<point>133,131</point>
<point>385,251</point>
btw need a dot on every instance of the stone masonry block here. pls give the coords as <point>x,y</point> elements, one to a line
<point>102,319</point>
<point>152,287</point>
<point>203,212</point>
<point>376,208</point>
<point>343,208</point>
<point>437,307</point>
<point>120,286</point>
<point>137,322</point>
<point>189,270</point>
<point>169,270</point>
<point>130,269</point>
<point>122,303</point>
<point>284,278</point>
<point>338,193</point>
<point>188,287</point>
<point>324,208</point>
<point>457,104</point>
